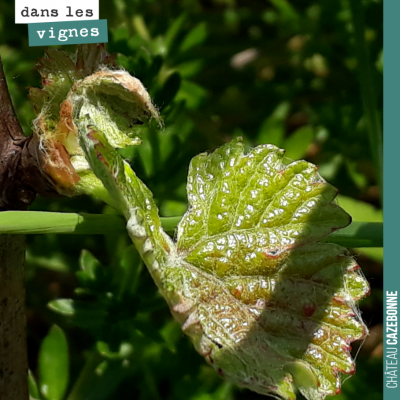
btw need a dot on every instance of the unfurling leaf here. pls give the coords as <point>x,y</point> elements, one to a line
<point>84,86</point>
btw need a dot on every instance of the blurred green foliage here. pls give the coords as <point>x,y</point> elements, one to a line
<point>279,71</point>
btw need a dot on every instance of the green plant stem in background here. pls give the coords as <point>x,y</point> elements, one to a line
<point>358,234</point>
<point>367,88</point>
<point>37,222</point>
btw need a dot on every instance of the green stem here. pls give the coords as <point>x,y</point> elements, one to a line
<point>367,88</point>
<point>33,222</point>
<point>358,234</point>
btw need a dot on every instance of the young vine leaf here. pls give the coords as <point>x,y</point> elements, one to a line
<point>269,305</point>
<point>279,310</point>
<point>114,100</point>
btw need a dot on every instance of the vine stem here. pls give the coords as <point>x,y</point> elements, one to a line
<point>13,351</point>
<point>367,88</point>
<point>358,234</point>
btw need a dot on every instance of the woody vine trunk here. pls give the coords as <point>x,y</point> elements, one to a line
<point>20,180</point>
<point>13,353</point>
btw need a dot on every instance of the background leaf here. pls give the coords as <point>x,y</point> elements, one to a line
<point>195,37</point>
<point>54,364</point>
<point>34,393</point>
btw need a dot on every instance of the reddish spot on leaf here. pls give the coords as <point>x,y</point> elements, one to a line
<point>91,137</point>
<point>238,291</point>
<point>309,309</point>
<point>101,158</point>
<point>273,253</point>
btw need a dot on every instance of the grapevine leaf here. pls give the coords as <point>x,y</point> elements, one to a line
<point>84,84</point>
<point>61,158</point>
<point>60,71</point>
<point>269,306</point>
<point>277,310</point>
